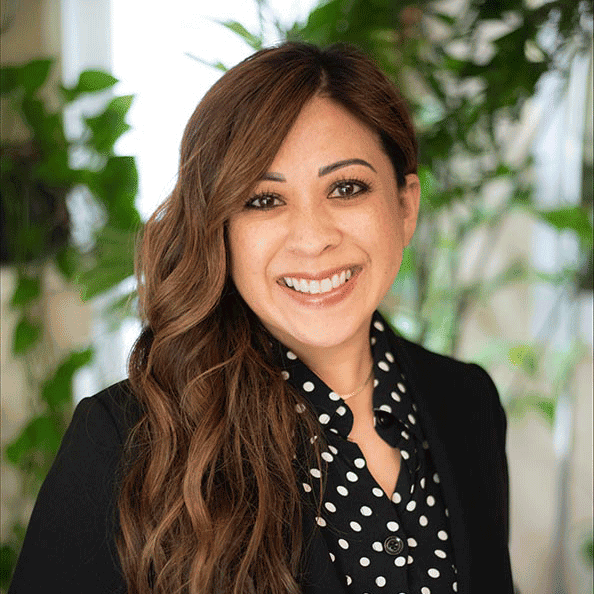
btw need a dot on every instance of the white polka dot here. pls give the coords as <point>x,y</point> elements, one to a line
<point>291,355</point>
<point>285,375</point>
<point>395,396</point>
<point>380,580</point>
<point>324,418</point>
<point>400,561</point>
<point>300,407</point>
<point>411,505</point>
<point>383,366</point>
<point>409,560</point>
<point>373,340</point>
<point>423,521</point>
<point>377,546</point>
<point>359,462</point>
<point>333,449</point>
<point>386,407</point>
<point>377,492</point>
<point>436,478</point>
<point>412,419</point>
<point>425,590</point>
<point>377,324</point>
<point>422,483</point>
<point>375,383</point>
<point>355,526</point>
<point>401,387</point>
<point>349,580</point>
<point>455,586</point>
<point>343,543</point>
<point>405,434</point>
<point>365,511</point>
<point>315,472</point>
<point>411,542</point>
<point>393,526</point>
<point>412,488</point>
<point>313,439</point>
<point>430,500</point>
<point>308,386</point>
<point>405,455</point>
<point>330,506</point>
<point>342,490</point>
<point>327,456</point>
<point>320,521</point>
<point>352,477</point>
<point>306,488</point>
<point>434,573</point>
<point>439,553</point>
<point>332,557</point>
<point>396,497</point>
<point>334,396</point>
<point>364,561</point>
<point>442,535</point>
<point>447,512</point>
<point>390,357</point>
<point>341,410</point>
<point>334,430</point>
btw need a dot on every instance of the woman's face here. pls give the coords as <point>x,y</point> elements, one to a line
<point>320,241</point>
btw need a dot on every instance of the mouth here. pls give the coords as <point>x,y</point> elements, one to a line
<point>322,285</point>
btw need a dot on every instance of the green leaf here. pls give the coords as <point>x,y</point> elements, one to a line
<point>57,390</point>
<point>9,79</point>
<point>525,357</point>
<point>28,289</point>
<point>26,335</point>
<point>572,218</point>
<point>218,65</point>
<point>33,74</point>
<point>67,261</point>
<point>252,40</point>
<point>588,551</point>
<point>116,186</point>
<point>112,263</point>
<point>8,559</point>
<point>40,434</point>
<point>109,125</point>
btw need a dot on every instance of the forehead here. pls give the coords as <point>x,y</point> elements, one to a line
<point>324,131</point>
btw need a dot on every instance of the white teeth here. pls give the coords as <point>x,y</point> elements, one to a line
<point>316,286</point>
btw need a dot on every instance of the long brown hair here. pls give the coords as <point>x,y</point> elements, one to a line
<point>209,500</point>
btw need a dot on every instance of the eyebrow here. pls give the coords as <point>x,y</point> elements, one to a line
<point>322,170</point>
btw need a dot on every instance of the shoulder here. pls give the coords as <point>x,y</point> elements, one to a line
<point>115,408</point>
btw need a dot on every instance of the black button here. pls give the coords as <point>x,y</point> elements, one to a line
<point>393,545</point>
<point>384,418</point>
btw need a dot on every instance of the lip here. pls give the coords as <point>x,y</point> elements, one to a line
<point>319,300</point>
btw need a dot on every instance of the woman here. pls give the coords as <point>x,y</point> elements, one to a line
<point>274,434</point>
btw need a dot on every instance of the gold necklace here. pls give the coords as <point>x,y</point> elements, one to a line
<point>360,388</point>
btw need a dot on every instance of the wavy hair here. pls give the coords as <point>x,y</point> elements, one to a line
<point>209,500</point>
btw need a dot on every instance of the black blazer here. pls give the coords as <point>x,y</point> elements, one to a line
<point>69,546</point>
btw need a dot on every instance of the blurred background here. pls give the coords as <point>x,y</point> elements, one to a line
<point>95,95</point>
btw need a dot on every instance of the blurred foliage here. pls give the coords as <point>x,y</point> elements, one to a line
<point>41,170</point>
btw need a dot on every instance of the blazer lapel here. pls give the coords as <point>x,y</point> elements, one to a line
<point>440,427</point>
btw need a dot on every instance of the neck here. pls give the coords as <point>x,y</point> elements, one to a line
<point>342,367</point>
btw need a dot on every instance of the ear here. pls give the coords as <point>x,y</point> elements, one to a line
<point>410,199</point>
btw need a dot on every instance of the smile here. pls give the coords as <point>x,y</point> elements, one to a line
<point>318,286</point>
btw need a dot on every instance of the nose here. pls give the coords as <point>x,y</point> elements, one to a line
<point>313,230</point>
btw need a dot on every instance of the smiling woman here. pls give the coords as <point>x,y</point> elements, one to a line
<point>275,435</point>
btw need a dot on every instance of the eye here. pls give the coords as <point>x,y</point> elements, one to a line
<point>263,202</point>
<point>348,188</point>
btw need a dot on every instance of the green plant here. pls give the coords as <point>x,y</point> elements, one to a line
<point>41,170</point>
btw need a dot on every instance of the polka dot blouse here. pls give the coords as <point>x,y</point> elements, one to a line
<point>398,544</point>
